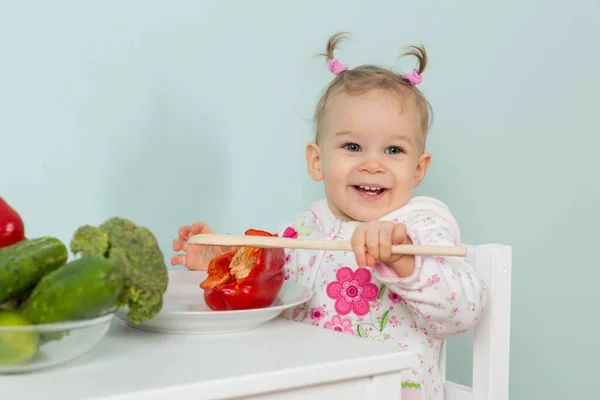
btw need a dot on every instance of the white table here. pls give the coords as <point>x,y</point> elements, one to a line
<point>271,362</point>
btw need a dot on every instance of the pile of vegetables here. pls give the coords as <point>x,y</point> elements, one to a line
<point>117,264</point>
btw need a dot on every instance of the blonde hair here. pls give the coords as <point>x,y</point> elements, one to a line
<point>365,77</point>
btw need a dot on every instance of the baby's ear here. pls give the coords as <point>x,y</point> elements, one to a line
<point>422,167</point>
<point>313,161</point>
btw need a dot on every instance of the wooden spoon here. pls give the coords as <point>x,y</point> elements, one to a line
<point>332,245</point>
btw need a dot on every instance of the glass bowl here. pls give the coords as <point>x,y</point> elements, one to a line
<point>35,347</point>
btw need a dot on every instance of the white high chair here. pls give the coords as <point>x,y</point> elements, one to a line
<point>491,337</point>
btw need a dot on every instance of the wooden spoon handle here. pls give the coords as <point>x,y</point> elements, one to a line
<point>333,245</point>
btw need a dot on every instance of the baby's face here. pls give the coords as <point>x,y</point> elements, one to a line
<point>370,156</point>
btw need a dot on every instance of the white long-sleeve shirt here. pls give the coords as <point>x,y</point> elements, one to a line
<point>443,297</point>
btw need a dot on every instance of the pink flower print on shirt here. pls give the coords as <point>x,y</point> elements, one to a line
<point>290,233</point>
<point>453,312</point>
<point>452,298</point>
<point>376,304</point>
<point>352,291</point>
<point>429,220</point>
<point>434,327</point>
<point>395,322</point>
<point>394,297</point>
<point>312,260</point>
<point>288,258</point>
<point>435,278</point>
<point>471,306</point>
<point>340,324</point>
<point>288,273</point>
<point>316,313</point>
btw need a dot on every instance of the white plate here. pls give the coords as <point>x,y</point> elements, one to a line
<point>184,310</point>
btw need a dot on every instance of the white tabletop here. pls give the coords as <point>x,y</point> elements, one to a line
<point>130,363</point>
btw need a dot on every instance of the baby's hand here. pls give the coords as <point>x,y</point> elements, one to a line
<point>372,242</point>
<point>195,257</point>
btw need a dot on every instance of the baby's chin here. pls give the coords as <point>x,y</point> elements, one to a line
<point>365,213</point>
<point>368,212</point>
<point>366,216</point>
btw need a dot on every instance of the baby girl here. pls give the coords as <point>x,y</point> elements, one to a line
<point>369,152</point>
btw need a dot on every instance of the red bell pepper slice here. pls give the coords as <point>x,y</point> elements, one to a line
<point>245,278</point>
<point>12,229</point>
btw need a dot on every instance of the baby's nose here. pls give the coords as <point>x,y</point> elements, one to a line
<point>372,165</point>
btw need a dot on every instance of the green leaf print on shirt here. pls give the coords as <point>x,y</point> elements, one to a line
<point>385,318</point>
<point>382,288</point>
<point>364,328</point>
<point>361,331</point>
<point>299,226</point>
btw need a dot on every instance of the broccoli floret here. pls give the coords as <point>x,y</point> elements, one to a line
<point>146,276</point>
<point>89,241</point>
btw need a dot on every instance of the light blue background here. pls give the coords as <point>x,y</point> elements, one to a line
<point>174,111</point>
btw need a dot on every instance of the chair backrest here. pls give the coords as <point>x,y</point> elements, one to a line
<point>491,336</point>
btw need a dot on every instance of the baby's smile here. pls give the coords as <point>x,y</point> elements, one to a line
<point>370,191</point>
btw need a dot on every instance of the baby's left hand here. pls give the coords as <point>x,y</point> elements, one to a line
<point>372,242</point>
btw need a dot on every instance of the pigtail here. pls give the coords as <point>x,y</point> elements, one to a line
<point>333,43</point>
<point>420,54</point>
<point>334,65</point>
<point>418,51</point>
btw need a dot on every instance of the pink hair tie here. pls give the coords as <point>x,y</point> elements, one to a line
<point>414,78</point>
<point>336,67</point>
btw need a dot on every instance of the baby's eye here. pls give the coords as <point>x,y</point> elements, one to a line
<point>352,147</point>
<point>394,150</point>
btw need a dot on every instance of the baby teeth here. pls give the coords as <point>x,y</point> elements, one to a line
<point>369,188</point>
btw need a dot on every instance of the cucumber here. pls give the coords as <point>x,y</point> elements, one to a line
<point>23,264</point>
<point>84,288</point>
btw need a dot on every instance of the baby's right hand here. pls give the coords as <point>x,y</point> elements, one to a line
<point>196,257</point>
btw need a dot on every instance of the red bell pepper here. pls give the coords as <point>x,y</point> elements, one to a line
<point>245,278</point>
<point>12,229</point>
